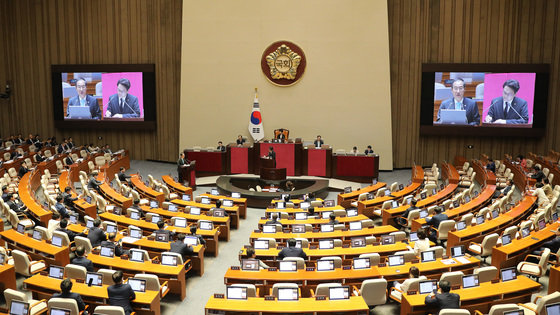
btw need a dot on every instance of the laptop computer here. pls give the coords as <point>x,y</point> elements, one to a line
<point>453,117</point>
<point>361,263</point>
<point>458,251</point>
<point>168,260</point>
<point>79,112</point>
<point>287,265</point>
<point>136,255</point>
<point>356,225</point>
<point>107,251</point>
<point>288,294</point>
<point>326,244</point>
<point>191,240</point>
<point>395,260</point>
<point>508,274</point>
<point>428,256</point>
<point>93,278</point>
<point>56,272</point>
<point>261,244</point>
<point>236,293</point>
<point>325,265</point>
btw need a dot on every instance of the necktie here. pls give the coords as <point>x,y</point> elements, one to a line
<point>506,109</point>
<point>457,105</point>
<point>122,105</point>
<point>82,102</point>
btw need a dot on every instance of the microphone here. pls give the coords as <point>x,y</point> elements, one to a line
<point>511,106</point>
<point>110,100</point>
<point>131,108</point>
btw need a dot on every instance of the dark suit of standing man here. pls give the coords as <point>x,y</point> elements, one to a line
<point>508,109</point>
<point>460,102</point>
<point>181,163</point>
<point>121,294</point>
<point>272,155</point>
<point>82,99</point>
<point>122,104</point>
<point>318,142</point>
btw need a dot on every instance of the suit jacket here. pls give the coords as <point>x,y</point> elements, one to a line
<point>94,183</point>
<point>221,148</point>
<point>91,102</point>
<point>120,295</point>
<point>123,177</point>
<point>82,261</point>
<point>61,210</point>
<point>291,252</point>
<point>240,141</point>
<point>318,143</point>
<point>68,200</point>
<point>437,219</point>
<point>96,236</point>
<point>368,152</point>
<point>69,160</point>
<point>181,248</point>
<point>517,113</point>
<point>22,171</point>
<point>117,249</point>
<point>553,245</point>
<point>132,110</point>
<point>181,162</point>
<point>71,295</point>
<point>473,117</point>
<point>443,300</point>
<point>71,234</point>
<point>272,155</point>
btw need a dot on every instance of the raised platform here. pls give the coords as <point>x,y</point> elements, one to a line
<point>261,199</point>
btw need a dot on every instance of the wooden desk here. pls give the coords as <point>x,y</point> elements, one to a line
<point>174,274</point>
<point>44,287</point>
<point>241,203</point>
<point>316,236</point>
<point>314,222</point>
<point>120,159</point>
<point>113,196</point>
<point>346,199</point>
<point>8,276</point>
<point>36,249</point>
<point>147,191</point>
<point>26,196</point>
<point>292,211</point>
<point>233,212</point>
<point>515,252</point>
<point>80,204</point>
<point>316,162</point>
<point>554,279</point>
<point>478,232</point>
<point>355,168</point>
<point>354,305</point>
<point>176,187</point>
<point>480,298</point>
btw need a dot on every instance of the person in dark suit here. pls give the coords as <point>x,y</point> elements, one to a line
<point>123,177</point>
<point>65,292</point>
<point>71,234</point>
<point>221,147</point>
<point>116,246</point>
<point>94,183</point>
<point>281,136</point>
<point>136,206</point>
<point>81,260</point>
<point>201,239</point>
<point>553,245</point>
<point>95,234</point>
<point>68,160</point>
<point>491,166</point>
<point>68,199</point>
<point>5,194</point>
<point>435,221</point>
<point>332,219</point>
<point>318,142</point>
<point>459,102</point>
<point>121,294</point>
<point>122,104</point>
<point>63,147</point>
<point>161,229</point>
<point>272,155</point>
<point>369,150</point>
<point>83,99</point>
<point>39,158</point>
<point>181,162</point>
<point>508,109</point>
<point>443,300</point>
<point>22,170</point>
<point>59,206</point>
<point>180,247</point>
<point>274,219</point>
<point>538,175</point>
<point>291,251</point>
<point>413,206</point>
<point>500,193</point>
<point>240,140</point>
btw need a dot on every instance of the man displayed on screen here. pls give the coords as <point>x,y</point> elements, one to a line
<point>508,109</point>
<point>83,99</point>
<point>122,104</point>
<point>459,102</point>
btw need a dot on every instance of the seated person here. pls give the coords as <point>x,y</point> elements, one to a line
<point>290,186</point>
<point>280,135</point>
<point>201,239</point>
<point>22,170</point>
<point>542,199</point>
<point>423,242</point>
<point>500,193</point>
<point>521,161</point>
<point>136,206</point>
<point>68,160</point>
<point>68,199</point>
<point>95,234</point>
<point>121,294</point>
<point>123,177</point>
<point>63,228</point>
<point>548,189</point>
<point>54,223</point>
<point>5,194</point>
<point>491,166</point>
<point>318,142</point>
<point>443,300</point>
<point>435,221</point>
<point>354,150</point>
<point>413,206</point>
<point>274,219</point>
<point>180,247</point>
<point>310,212</point>
<point>369,150</point>
<point>81,260</point>
<point>66,293</point>
<point>332,219</point>
<point>161,229</point>
<point>250,254</point>
<point>240,141</point>
<point>291,251</point>
<point>93,182</point>
<point>538,175</point>
<point>413,273</point>
<point>59,206</point>
<point>116,246</point>
<point>221,147</point>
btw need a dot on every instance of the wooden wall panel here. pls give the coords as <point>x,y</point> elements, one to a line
<point>36,34</point>
<point>467,31</point>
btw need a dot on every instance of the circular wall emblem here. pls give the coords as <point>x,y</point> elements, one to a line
<point>283,63</point>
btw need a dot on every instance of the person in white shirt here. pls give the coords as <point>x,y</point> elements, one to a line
<point>413,273</point>
<point>422,244</point>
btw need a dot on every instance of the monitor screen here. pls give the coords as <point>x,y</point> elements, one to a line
<point>394,204</point>
<point>467,199</point>
<point>301,216</point>
<point>107,251</point>
<point>325,265</point>
<point>357,225</point>
<point>269,228</point>
<point>136,233</point>
<point>347,190</point>
<point>326,214</point>
<point>235,195</point>
<point>339,293</point>
<point>327,227</point>
<point>287,265</point>
<point>261,244</point>
<point>427,286</point>
<point>554,216</point>
<point>479,219</point>
<point>542,224</point>
<point>495,213</point>
<point>172,207</point>
<point>352,212</point>
<point>191,240</point>
<point>56,241</point>
<point>20,228</point>
<point>280,205</point>
<point>168,260</point>
<point>518,312</point>
<point>470,281</point>
<point>329,203</point>
<point>525,231</point>
<point>205,201</point>
<point>506,239</point>
<point>89,223</point>
<point>111,228</point>
<point>227,203</point>
<point>138,285</point>
<point>387,239</point>
<point>423,213</point>
<point>135,215</point>
<point>299,244</point>
<point>413,236</point>
<point>508,274</point>
<point>361,263</point>
<point>214,192</point>
<point>395,260</point>
<point>136,255</point>
<point>37,235</point>
<point>19,308</point>
<point>73,219</point>
<point>358,241</point>
<point>2,259</point>
<point>250,265</point>
<point>56,272</point>
<point>428,256</point>
<point>326,244</point>
<point>552,309</point>
<point>304,205</point>
<point>195,211</point>
<point>206,225</point>
<point>180,222</point>
<point>457,251</point>
<point>59,311</point>
<point>95,279</point>
<point>153,204</point>
<point>155,218</point>
<point>461,225</point>
<point>162,236</point>
<point>186,197</point>
<point>236,293</point>
<point>298,228</point>
<point>288,294</point>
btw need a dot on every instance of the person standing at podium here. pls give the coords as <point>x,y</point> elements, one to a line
<point>272,155</point>
<point>240,140</point>
<point>181,163</point>
<point>318,142</point>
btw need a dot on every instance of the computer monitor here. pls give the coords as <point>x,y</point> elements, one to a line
<point>298,228</point>
<point>59,311</point>
<point>168,260</point>
<point>155,218</point>
<point>284,196</point>
<point>135,215</point>
<point>401,186</point>
<point>205,201</point>
<point>20,228</point>
<point>56,241</point>
<point>162,236</point>
<point>287,265</point>
<point>138,285</point>
<point>236,293</point>
<point>19,308</point>
<point>361,263</point>
<point>227,203</point>
<point>93,278</point>
<point>326,244</point>
<point>495,213</point>
<point>525,231</point>
<point>288,294</point>
<point>394,204</point>
<point>180,222</point>
<point>2,259</point>
<point>552,309</point>
<point>153,204</point>
<point>214,192</point>
<point>339,293</point>
<point>387,239</point>
<point>186,198</point>
<point>355,226</point>
<point>427,286</point>
<point>219,213</point>
<point>301,216</point>
<point>423,213</point>
<point>508,274</point>
<point>347,190</point>
<point>470,281</point>
<point>195,211</point>
<point>506,239</point>
<point>329,203</point>
<point>326,214</point>
<point>304,205</point>
<point>111,228</point>
<point>136,255</point>
<point>325,265</point>
<point>250,265</point>
<point>542,224</point>
<point>413,236</point>
<point>467,199</point>
<point>191,240</point>
<point>352,212</point>
<point>206,225</point>
<point>516,312</point>
<point>88,199</point>
<point>358,241</point>
<point>423,195</point>
<point>89,223</point>
<point>172,207</point>
<point>136,233</point>
<point>456,204</point>
<point>235,195</point>
<point>56,272</point>
<point>261,244</point>
<point>395,260</point>
<point>554,216</point>
<point>428,256</point>
<point>107,251</point>
<point>327,227</point>
<point>461,225</point>
<point>280,205</point>
<point>480,219</point>
<point>458,251</point>
<point>73,219</point>
<point>37,235</point>
<point>269,228</point>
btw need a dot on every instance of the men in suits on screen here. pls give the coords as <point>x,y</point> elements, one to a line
<point>508,109</point>
<point>460,102</point>
<point>82,99</point>
<point>122,104</point>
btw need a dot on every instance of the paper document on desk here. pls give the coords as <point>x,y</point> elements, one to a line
<point>449,261</point>
<point>463,260</point>
<point>128,239</point>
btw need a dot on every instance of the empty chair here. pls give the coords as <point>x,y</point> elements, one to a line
<point>317,203</point>
<point>443,229</point>
<point>100,161</point>
<point>537,307</point>
<point>380,192</point>
<point>323,288</point>
<point>63,303</point>
<point>450,311</point>
<point>484,249</point>
<point>399,236</point>
<point>455,278</point>
<point>152,283</point>
<point>374,258</point>
<point>361,197</point>
<point>374,291</point>
<point>106,309</point>
<point>394,187</point>
<point>337,260</point>
<point>463,171</point>
<point>367,223</point>
<point>75,271</point>
<point>536,270</point>
<point>300,262</point>
<point>25,266</point>
<point>35,306</point>
<point>486,274</point>
<point>136,196</point>
<point>282,285</point>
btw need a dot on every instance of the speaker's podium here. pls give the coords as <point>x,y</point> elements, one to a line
<point>269,172</point>
<point>187,173</point>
